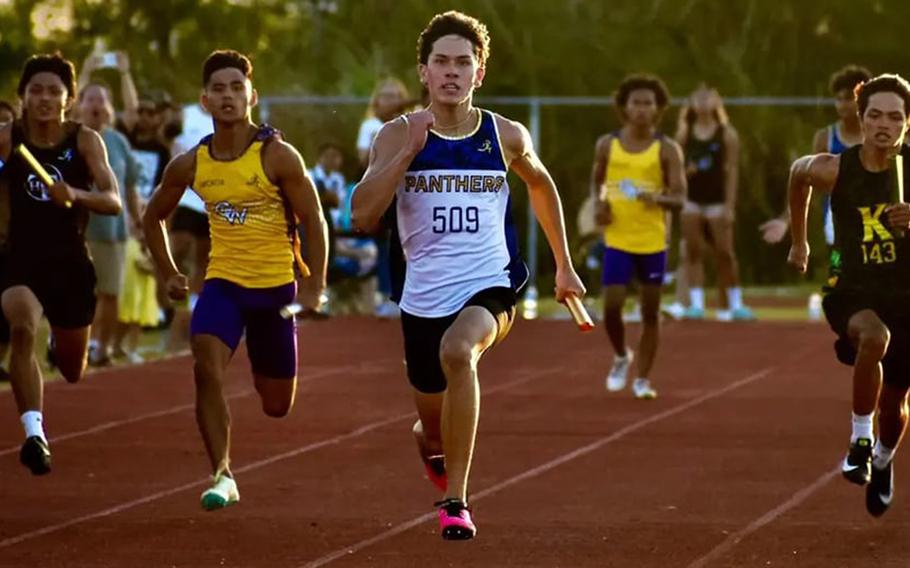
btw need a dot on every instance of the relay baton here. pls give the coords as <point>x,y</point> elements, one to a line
<point>897,183</point>
<point>36,166</point>
<point>899,177</point>
<point>579,313</point>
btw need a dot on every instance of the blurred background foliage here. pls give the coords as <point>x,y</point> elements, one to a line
<point>539,47</point>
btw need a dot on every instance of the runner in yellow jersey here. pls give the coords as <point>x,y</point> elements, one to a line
<point>255,188</point>
<point>637,177</point>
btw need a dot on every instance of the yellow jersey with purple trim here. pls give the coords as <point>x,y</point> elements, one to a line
<point>250,224</point>
<point>637,227</point>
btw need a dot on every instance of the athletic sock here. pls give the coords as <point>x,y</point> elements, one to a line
<point>33,423</point>
<point>697,298</point>
<point>862,427</point>
<point>735,298</point>
<point>881,455</point>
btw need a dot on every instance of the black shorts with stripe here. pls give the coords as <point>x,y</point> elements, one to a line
<point>423,336</point>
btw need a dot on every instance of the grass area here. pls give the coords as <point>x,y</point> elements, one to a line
<point>151,347</point>
<point>788,304</point>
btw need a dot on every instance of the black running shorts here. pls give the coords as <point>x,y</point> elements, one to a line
<point>423,336</point>
<point>65,287</point>
<point>841,305</point>
<point>4,325</point>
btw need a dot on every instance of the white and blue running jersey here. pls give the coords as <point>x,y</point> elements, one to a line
<point>835,146</point>
<point>454,222</point>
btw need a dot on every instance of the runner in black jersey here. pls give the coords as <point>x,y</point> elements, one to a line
<point>49,271</point>
<point>867,307</point>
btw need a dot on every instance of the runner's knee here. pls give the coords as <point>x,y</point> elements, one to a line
<point>874,341</point>
<point>456,355</point>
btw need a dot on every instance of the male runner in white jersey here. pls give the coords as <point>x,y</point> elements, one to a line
<point>447,166</point>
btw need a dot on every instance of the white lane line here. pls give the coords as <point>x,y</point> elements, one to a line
<point>543,468</point>
<point>794,501</point>
<point>528,377</point>
<point>175,410</point>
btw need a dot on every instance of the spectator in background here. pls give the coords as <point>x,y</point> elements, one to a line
<point>142,126</point>
<point>7,113</point>
<point>188,230</point>
<point>138,305</point>
<point>349,256</point>
<point>390,99</point>
<point>107,234</point>
<point>711,147</point>
<point>140,121</point>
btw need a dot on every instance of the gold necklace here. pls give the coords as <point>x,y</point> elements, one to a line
<point>456,126</point>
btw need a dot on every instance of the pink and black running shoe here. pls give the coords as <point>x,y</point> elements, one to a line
<point>455,520</point>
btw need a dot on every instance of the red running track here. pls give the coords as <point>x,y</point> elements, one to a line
<point>732,466</point>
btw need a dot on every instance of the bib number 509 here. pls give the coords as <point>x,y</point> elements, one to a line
<point>456,219</point>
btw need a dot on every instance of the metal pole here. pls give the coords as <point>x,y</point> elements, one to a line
<point>529,304</point>
<point>264,111</point>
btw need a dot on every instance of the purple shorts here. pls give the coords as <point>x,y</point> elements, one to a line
<point>620,266</point>
<point>225,309</point>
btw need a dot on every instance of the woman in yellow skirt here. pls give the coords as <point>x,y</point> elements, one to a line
<point>138,304</point>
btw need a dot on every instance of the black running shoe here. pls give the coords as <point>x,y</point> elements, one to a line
<point>858,462</point>
<point>35,455</point>
<point>880,490</point>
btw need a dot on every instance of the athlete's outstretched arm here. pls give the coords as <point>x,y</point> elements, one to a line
<point>524,161</point>
<point>178,175</point>
<point>602,214</point>
<point>671,160</point>
<point>395,147</point>
<point>774,230</point>
<point>285,165</point>
<point>106,197</point>
<point>818,171</point>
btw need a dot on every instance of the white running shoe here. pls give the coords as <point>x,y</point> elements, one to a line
<point>674,311</point>
<point>724,315</point>
<point>616,380</point>
<point>222,493</point>
<point>642,389</point>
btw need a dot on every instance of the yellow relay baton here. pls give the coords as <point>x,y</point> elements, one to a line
<point>36,166</point>
<point>897,185</point>
<point>899,164</point>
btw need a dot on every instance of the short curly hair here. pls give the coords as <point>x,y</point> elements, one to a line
<point>49,63</point>
<point>847,78</point>
<point>454,23</point>
<point>642,82</point>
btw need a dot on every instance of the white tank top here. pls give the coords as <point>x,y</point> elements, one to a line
<point>454,222</point>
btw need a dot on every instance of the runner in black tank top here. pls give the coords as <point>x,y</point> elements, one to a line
<point>49,271</point>
<point>711,147</point>
<point>705,164</point>
<point>867,306</point>
<point>873,259</point>
<point>40,230</point>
